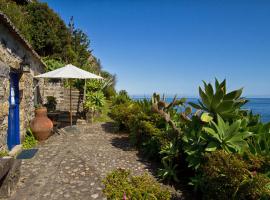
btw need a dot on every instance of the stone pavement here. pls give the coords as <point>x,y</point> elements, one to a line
<point>72,165</point>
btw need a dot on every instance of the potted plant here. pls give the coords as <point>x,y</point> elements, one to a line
<point>41,125</point>
<point>51,103</point>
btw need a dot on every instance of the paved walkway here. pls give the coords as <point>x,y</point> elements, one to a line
<point>72,165</point>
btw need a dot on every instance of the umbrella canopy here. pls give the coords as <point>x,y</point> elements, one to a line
<point>69,71</point>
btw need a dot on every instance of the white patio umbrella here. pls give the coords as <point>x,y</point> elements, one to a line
<point>69,72</point>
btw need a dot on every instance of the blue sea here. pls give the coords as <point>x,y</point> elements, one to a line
<point>256,105</point>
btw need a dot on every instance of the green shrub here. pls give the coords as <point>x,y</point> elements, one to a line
<point>122,114</point>
<point>52,64</point>
<point>151,148</point>
<point>109,92</point>
<point>51,103</point>
<point>94,101</point>
<point>227,176</point>
<point>29,140</point>
<point>259,144</point>
<point>120,182</point>
<point>142,128</point>
<point>3,153</point>
<point>121,98</point>
<point>170,153</point>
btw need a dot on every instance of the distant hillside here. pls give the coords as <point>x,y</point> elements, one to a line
<point>51,38</point>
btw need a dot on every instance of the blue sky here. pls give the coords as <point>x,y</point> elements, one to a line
<point>170,46</point>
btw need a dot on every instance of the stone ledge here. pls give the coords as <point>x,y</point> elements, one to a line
<point>15,151</point>
<point>11,169</point>
<point>10,174</point>
<point>5,165</point>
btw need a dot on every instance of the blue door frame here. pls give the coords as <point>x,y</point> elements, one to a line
<point>13,136</point>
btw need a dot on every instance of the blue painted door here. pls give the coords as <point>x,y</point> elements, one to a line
<point>13,137</point>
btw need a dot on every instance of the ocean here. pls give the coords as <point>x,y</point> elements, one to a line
<point>256,105</point>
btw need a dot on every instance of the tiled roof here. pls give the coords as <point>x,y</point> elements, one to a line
<point>6,21</point>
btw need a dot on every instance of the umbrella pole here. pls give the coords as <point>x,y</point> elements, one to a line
<point>70,109</point>
<point>84,91</point>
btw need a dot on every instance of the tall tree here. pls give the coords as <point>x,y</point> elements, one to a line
<point>49,34</point>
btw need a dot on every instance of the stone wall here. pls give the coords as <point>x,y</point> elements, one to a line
<point>57,90</point>
<point>28,87</point>
<point>4,105</point>
<point>13,55</point>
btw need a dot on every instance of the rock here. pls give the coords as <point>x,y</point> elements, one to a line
<point>94,196</point>
<point>83,173</point>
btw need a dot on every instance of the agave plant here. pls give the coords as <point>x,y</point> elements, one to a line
<point>94,102</point>
<point>229,137</point>
<point>218,101</point>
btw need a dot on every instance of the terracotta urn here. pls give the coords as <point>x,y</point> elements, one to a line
<point>41,125</point>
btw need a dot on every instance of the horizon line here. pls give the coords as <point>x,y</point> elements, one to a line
<point>191,96</point>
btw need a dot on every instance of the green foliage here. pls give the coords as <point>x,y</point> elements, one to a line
<point>49,34</point>
<point>52,64</point>
<point>227,176</point>
<point>170,153</point>
<point>3,153</point>
<point>103,115</point>
<point>94,101</point>
<point>52,39</point>
<point>123,113</point>
<point>145,134</point>
<point>29,140</point>
<point>194,142</point>
<point>16,14</point>
<point>51,103</point>
<point>229,137</point>
<point>227,148</point>
<point>201,137</point>
<point>109,92</point>
<point>120,182</point>
<point>150,147</point>
<point>169,171</point>
<point>80,44</point>
<point>145,127</point>
<point>259,144</point>
<point>121,98</point>
<point>95,85</point>
<point>219,102</point>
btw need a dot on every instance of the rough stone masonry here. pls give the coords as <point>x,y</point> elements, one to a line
<point>18,56</point>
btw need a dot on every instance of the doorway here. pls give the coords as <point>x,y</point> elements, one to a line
<point>13,136</point>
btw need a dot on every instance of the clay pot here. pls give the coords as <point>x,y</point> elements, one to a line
<point>41,125</point>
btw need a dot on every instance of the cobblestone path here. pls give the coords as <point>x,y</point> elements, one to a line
<point>72,165</point>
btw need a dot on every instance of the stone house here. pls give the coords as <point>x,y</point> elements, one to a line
<point>19,90</point>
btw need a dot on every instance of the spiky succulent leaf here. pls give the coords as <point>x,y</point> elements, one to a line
<point>204,98</point>
<point>205,117</point>
<point>194,105</point>
<point>234,94</point>
<point>218,102</point>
